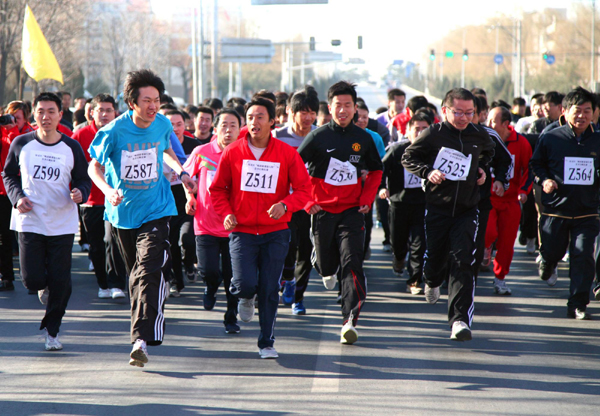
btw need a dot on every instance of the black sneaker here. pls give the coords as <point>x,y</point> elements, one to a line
<point>209,300</point>
<point>545,270</point>
<point>232,329</point>
<point>6,285</point>
<point>579,314</point>
<point>398,266</point>
<point>597,292</point>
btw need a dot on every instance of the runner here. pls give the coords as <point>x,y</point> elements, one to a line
<point>139,201</point>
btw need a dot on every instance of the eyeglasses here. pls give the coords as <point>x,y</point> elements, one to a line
<point>460,113</point>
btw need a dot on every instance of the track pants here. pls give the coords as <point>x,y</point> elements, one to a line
<point>46,262</point>
<point>502,227</point>
<point>451,240</point>
<point>579,235</point>
<point>214,267</point>
<point>145,251</point>
<point>407,229</point>
<point>183,247</point>
<point>297,262</point>
<point>338,240</point>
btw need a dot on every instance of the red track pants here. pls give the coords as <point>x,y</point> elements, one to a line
<point>502,227</point>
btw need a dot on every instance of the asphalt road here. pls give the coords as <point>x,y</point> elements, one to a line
<point>526,357</point>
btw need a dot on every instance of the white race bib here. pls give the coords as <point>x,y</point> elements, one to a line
<point>259,176</point>
<point>511,169</point>
<point>340,173</point>
<point>46,166</point>
<point>411,181</point>
<point>139,165</point>
<point>453,164</point>
<point>579,171</point>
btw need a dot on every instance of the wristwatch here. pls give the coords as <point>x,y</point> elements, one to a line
<point>284,206</point>
<point>183,172</point>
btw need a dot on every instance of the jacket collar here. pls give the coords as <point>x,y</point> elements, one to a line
<point>339,129</point>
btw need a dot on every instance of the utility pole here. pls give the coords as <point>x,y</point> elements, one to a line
<point>462,66</point>
<point>496,65</point>
<point>202,61</point>
<point>194,59</point>
<point>593,60</point>
<point>214,92</point>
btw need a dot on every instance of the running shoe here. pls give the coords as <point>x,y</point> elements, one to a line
<point>117,293</point>
<point>174,292</point>
<point>349,334</point>
<point>43,296</point>
<point>232,329</point>
<point>298,308</point>
<point>289,291</point>
<point>414,289</point>
<point>329,282</point>
<point>579,314</point>
<point>91,266</point>
<point>268,352</point>
<point>531,246</point>
<point>387,248</point>
<point>190,273</point>
<point>500,287</point>
<point>139,354</point>
<point>246,309</point>
<point>52,343</point>
<point>487,258</point>
<point>432,294</point>
<point>104,293</point>
<point>209,300</point>
<point>460,332</point>
<point>85,248</point>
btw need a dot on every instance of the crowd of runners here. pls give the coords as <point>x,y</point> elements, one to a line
<point>255,194</point>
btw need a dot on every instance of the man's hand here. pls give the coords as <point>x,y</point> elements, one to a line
<point>363,174</point>
<point>190,206</point>
<point>522,198</point>
<point>481,178</point>
<point>230,222</point>
<point>276,211</point>
<point>189,183</point>
<point>364,209</point>
<point>314,209</point>
<point>549,186</point>
<point>436,177</point>
<point>115,197</point>
<point>384,193</point>
<point>76,196</point>
<point>498,188</point>
<point>24,205</point>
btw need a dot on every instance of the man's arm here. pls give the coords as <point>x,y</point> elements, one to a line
<point>12,178</point>
<point>373,180</point>
<point>539,167</point>
<point>96,173</point>
<point>172,161</point>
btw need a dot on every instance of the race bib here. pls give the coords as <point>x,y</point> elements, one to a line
<point>46,166</point>
<point>511,169</point>
<point>259,176</point>
<point>210,177</point>
<point>340,173</point>
<point>411,181</point>
<point>139,165</point>
<point>453,164</point>
<point>579,171</point>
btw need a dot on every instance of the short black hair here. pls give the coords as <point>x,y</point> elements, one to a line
<point>103,98</point>
<point>305,99</point>
<point>280,110</point>
<point>175,113</point>
<point>140,79</point>
<point>579,96</point>
<point>168,107</point>
<point>324,107</point>
<point>420,116</point>
<point>458,94</point>
<point>81,97</point>
<point>79,116</point>
<point>268,104</point>
<point>432,107</point>
<point>381,110</point>
<point>479,91</point>
<point>416,102</point>
<point>519,101</point>
<point>191,109</point>
<point>215,104</point>
<point>48,96</point>
<point>361,105</point>
<point>539,98</point>
<point>61,93</point>
<point>227,111</point>
<point>342,88</point>
<point>553,97</point>
<point>483,102</point>
<point>206,110</point>
<point>186,115</point>
<point>281,97</point>
<point>500,103</point>
<point>395,92</point>
<point>265,94</point>
<point>235,101</point>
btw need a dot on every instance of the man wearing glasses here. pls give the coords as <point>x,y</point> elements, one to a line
<point>450,156</point>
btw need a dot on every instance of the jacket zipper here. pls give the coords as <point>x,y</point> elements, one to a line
<point>458,182</point>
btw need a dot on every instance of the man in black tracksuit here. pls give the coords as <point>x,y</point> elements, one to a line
<point>336,155</point>
<point>407,207</point>
<point>451,155</point>
<point>565,163</point>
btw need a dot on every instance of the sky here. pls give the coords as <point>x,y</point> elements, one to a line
<point>391,29</point>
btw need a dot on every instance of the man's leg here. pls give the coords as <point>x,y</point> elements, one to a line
<point>227,273</point>
<point>115,267</point>
<point>207,250</point>
<point>382,216</point>
<point>290,259</point>
<point>93,221</point>
<point>437,229</point>
<point>399,233</point>
<point>244,263</point>
<point>176,257</point>
<point>6,238</point>
<point>32,259</point>
<point>554,240</point>
<point>273,250</point>
<point>187,242</point>
<point>581,258</point>
<point>417,244</point>
<point>326,255</point>
<point>305,248</point>
<point>508,227</point>
<point>368,225</point>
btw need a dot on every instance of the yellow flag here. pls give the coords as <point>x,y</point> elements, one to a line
<point>38,60</point>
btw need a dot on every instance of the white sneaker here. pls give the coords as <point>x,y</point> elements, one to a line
<point>553,278</point>
<point>104,293</point>
<point>43,296</point>
<point>246,309</point>
<point>173,292</point>
<point>52,343</point>
<point>530,246</point>
<point>500,287</point>
<point>432,294</point>
<point>329,282</point>
<point>349,334</point>
<point>538,259</point>
<point>387,248</point>
<point>139,354</point>
<point>91,266</point>
<point>460,332</point>
<point>566,257</point>
<point>487,257</point>
<point>268,352</point>
<point>414,289</point>
<point>116,293</point>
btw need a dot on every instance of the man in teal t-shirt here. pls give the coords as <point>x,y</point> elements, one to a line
<point>127,160</point>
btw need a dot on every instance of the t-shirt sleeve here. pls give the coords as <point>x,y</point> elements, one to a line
<point>102,146</point>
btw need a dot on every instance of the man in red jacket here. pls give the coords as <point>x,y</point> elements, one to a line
<point>104,254</point>
<point>505,216</point>
<point>251,191</point>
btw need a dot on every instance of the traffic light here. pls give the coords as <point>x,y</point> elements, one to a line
<point>360,42</point>
<point>545,56</point>
<point>312,43</point>
<point>432,55</point>
<point>449,54</point>
<point>336,42</point>
<point>465,55</point>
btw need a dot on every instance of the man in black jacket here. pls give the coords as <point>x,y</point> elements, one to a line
<point>565,163</point>
<point>451,155</point>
